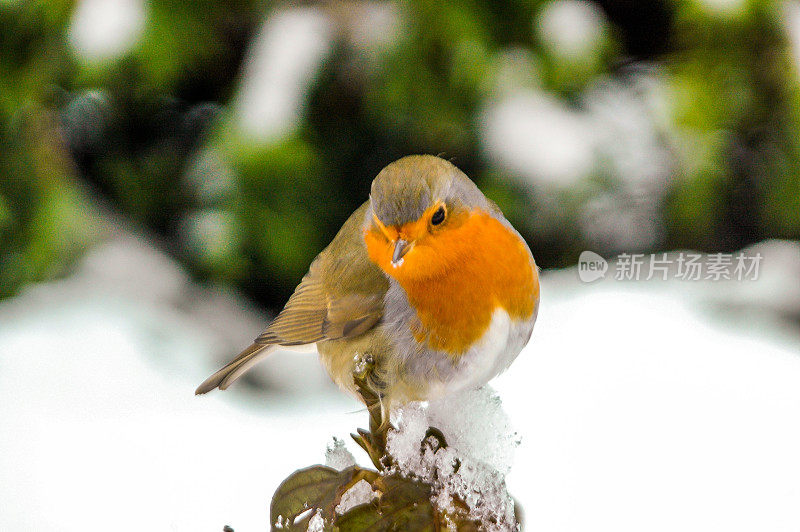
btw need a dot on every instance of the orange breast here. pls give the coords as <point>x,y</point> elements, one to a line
<point>456,278</point>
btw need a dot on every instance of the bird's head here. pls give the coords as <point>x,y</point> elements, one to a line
<point>417,223</point>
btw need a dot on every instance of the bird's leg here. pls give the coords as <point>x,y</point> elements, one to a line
<point>366,380</point>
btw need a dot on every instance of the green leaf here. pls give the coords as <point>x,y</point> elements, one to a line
<point>404,505</point>
<point>313,487</point>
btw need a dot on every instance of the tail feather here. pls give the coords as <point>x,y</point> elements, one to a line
<point>236,368</point>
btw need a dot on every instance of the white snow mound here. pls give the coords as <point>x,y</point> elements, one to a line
<point>480,444</point>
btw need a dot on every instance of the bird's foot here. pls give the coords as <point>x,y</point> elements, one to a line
<point>372,441</point>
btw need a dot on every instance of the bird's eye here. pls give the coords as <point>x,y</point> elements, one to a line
<point>438,216</point>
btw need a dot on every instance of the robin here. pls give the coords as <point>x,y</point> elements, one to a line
<point>426,280</point>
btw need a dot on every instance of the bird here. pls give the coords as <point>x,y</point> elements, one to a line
<point>427,280</point>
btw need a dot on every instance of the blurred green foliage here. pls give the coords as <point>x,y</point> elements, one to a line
<point>45,220</point>
<point>154,130</point>
<point>736,95</point>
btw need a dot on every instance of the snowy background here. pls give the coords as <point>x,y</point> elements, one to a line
<point>641,405</point>
<point>169,169</point>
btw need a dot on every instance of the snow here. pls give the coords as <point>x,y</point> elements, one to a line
<point>99,425</point>
<point>316,523</point>
<point>371,27</point>
<point>617,131</point>
<point>212,234</point>
<point>360,493</point>
<point>457,416</point>
<point>572,29</point>
<point>106,29</point>
<point>628,120</point>
<point>790,20</point>
<point>775,291</point>
<point>654,406</point>
<point>209,175</point>
<point>337,456</point>
<point>538,137</point>
<point>472,467</point>
<point>279,69</point>
<point>94,421</point>
<point>642,408</point>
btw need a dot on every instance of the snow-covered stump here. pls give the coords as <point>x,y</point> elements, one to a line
<point>447,465</point>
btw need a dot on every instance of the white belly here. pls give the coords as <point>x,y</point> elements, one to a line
<point>491,355</point>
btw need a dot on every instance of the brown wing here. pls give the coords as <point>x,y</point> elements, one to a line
<point>340,296</point>
<point>312,314</point>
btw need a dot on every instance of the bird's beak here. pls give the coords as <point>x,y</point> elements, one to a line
<point>401,247</point>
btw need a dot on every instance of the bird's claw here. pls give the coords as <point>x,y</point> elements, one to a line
<point>372,441</point>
